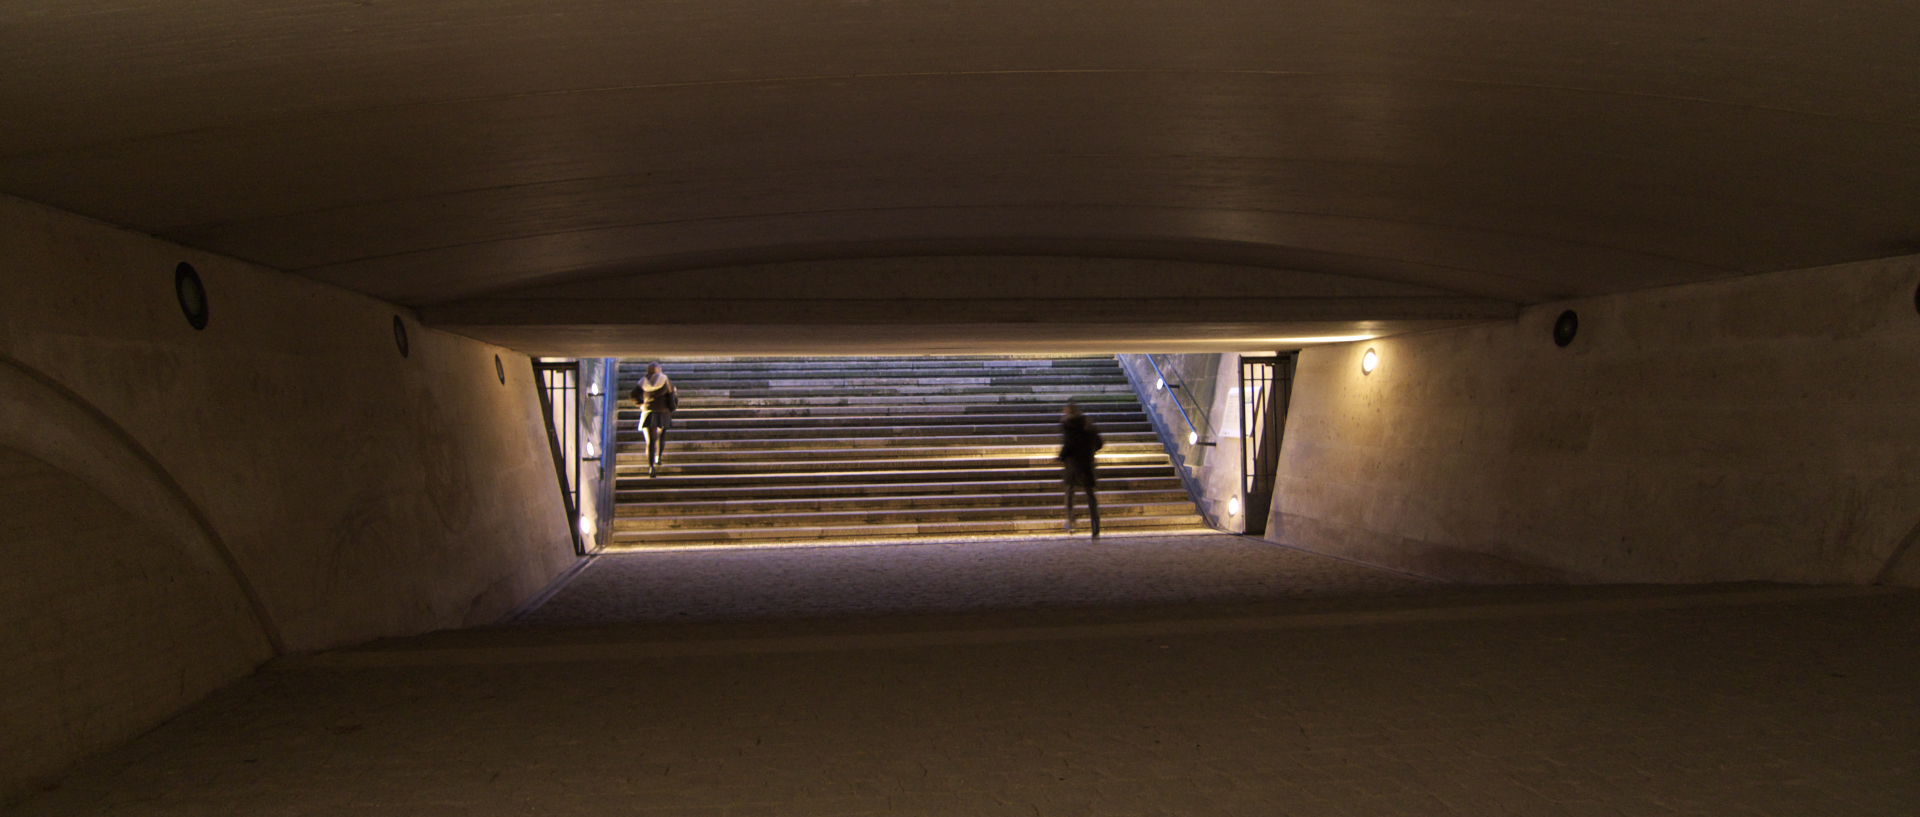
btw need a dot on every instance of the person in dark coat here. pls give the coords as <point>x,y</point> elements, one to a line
<point>657,398</point>
<point>1078,442</point>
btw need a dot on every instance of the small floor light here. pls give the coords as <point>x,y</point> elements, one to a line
<point>1369,362</point>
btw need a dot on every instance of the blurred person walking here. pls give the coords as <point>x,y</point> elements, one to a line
<point>657,398</point>
<point>1079,440</point>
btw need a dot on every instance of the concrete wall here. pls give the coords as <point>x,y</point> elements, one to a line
<point>1210,468</point>
<point>181,504</point>
<point>1764,428</point>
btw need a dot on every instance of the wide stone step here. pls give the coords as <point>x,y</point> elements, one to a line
<point>887,448</point>
<point>640,540</point>
<point>882,384</point>
<point>672,479</point>
<point>887,376</point>
<point>695,401</point>
<point>636,368</point>
<point>634,442</point>
<point>705,383</point>
<point>962,392</point>
<point>881,415</point>
<point>891,502</point>
<point>637,465</point>
<point>897,515</point>
<point>682,433</point>
<point>652,491</point>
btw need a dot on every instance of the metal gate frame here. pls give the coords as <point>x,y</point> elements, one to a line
<point>558,383</point>
<point>1266,389</point>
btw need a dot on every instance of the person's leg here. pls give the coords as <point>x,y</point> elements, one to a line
<point>1093,506</point>
<point>1067,488</point>
<point>646,434</point>
<point>660,443</point>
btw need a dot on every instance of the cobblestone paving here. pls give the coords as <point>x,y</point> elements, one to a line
<point>1738,701</point>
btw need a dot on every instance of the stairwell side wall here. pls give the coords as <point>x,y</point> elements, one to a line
<point>1209,471</point>
<point>1759,428</point>
<point>182,504</point>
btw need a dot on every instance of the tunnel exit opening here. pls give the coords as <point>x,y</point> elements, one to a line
<point>815,450</point>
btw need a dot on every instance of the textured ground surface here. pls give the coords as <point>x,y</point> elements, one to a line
<point>1204,693</point>
<point>965,576</point>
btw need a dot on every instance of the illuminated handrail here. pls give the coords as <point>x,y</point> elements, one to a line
<point>1177,388</point>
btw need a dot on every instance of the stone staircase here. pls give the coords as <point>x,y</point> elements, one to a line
<point>821,449</point>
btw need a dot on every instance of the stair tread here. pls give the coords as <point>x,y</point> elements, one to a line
<point>1190,522</point>
<point>774,504</point>
<point>893,516</point>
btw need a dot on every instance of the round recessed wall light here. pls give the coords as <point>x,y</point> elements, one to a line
<point>1233,506</point>
<point>1159,383</point>
<point>192,294</point>
<point>500,370</point>
<point>1193,438</point>
<point>1565,328</point>
<point>400,336</point>
<point>1369,361</point>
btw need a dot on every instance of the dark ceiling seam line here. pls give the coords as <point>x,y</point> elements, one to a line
<point>560,277</point>
<point>1041,205</point>
<point>440,195</point>
<point>820,78</point>
<point>1444,292</point>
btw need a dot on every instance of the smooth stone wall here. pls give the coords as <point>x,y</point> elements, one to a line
<point>1762,428</point>
<point>283,479</point>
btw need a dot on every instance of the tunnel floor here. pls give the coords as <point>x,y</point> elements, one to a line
<point>1205,675</point>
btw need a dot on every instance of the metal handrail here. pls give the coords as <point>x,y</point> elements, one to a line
<point>1177,388</point>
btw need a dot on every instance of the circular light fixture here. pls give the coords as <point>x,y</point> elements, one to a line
<point>1193,438</point>
<point>500,369</point>
<point>1369,362</point>
<point>192,294</point>
<point>400,335</point>
<point>1233,506</point>
<point>1565,328</point>
<point>1159,384</point>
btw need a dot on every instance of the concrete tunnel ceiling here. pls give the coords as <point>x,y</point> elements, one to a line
<point>595,177</point>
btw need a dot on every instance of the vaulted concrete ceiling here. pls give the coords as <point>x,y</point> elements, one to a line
<point>498,162</point>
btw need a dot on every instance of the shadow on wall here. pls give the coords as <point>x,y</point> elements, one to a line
<point>119,604</point>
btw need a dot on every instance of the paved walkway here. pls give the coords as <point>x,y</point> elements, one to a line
<point>1401,700</point>
<point>1058,572</point>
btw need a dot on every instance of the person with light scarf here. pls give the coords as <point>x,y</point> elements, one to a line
<point>656,395</point>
